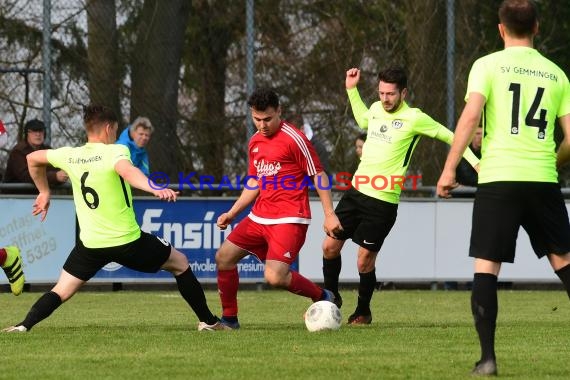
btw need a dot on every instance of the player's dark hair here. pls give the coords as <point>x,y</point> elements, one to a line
<point>395,75</point>
<point>263,98</point>
<point>518,16</point>
<point>94,114</point>
<point>361,136</point>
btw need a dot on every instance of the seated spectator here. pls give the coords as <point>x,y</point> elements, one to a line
<point>136,136</point>
<point>17,166</point>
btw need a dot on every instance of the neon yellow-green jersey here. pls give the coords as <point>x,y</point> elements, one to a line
<point>391,140</point>
<point>525,93</point>
<point>103,200</point>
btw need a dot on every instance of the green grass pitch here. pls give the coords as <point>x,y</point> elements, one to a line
<point>415,334</point>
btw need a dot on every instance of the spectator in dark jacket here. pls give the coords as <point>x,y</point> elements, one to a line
<point>17,166</point>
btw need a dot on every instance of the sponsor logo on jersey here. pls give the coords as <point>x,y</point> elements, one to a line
<point>397,124</point>
<point>380,134</point>
<point>265,169</point>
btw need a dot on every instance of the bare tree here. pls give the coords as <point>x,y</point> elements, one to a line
<point>215,26</point>
<point>155,78</point>
<point>425,57</point>
<point>102,54</point>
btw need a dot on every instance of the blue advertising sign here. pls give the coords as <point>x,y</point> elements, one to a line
<point>44,245</point>
<point>190,226</point>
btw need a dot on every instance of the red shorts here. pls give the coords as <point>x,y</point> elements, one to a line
<point>281,242</point>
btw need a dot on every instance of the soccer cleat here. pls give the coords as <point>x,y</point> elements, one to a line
<point>358,319</point>
<point>13,269</point>
<point>486,368</point>
<point>228,325</point>
<point>203,326</point>
<point>15,329</point>
<point>328,296</point>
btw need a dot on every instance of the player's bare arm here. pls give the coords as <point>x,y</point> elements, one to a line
<point>332,225</point>
<point>563,154</point>
<point>466,126</point>
<point>247,196</point>
<point>37,162</point>
<point>137,179</point>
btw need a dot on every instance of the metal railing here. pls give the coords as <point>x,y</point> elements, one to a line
<point>229,190</point>
<point>421,192</point>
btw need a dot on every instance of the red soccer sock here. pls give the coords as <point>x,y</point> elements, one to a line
<point>304,287</point>
<point>228,283</point>
<point>3,256</point>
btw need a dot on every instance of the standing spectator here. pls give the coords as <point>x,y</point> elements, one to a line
<point>136,137</point>
<point>101,174</point>
<point>366,212</point>
<point>17,166</point>
<point>521,95</point>
<point>280,160</point>
<point>358,145</point>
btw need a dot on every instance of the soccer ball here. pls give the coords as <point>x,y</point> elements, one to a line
<point>323,315</point>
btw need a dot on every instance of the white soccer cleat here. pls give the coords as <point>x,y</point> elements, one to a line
<point>15,329</point>
<point>203,326</point>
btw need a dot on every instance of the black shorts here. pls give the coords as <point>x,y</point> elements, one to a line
<point>500,208</point>
<point>146,254</point>
<point>365,220</point>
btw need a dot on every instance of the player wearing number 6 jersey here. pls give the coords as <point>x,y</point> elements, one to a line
<point>518,95</point>
<point>100,173</point>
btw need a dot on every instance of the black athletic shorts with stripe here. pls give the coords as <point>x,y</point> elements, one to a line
<point>146,254</point>
<point>365,220</point>
<point>500,208</point>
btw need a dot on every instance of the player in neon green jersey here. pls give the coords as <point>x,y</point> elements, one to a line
<point>518,95</point>
<point>367,211</point>
<point>101,174</point>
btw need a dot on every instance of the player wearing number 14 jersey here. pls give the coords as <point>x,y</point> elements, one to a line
<point>518,95</point>
<point>101,173</point>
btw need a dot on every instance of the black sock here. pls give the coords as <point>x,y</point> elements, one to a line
<point>365,291</point>
<point>42,309</point>
<point>484,306</point>
<point>331,272</point>
<point>192,292</point>
<point>564,275</point>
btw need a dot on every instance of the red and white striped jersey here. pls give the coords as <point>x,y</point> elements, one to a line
<point>284,164</point>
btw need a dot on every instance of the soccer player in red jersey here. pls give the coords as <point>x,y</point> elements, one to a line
<point>282,163</point>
